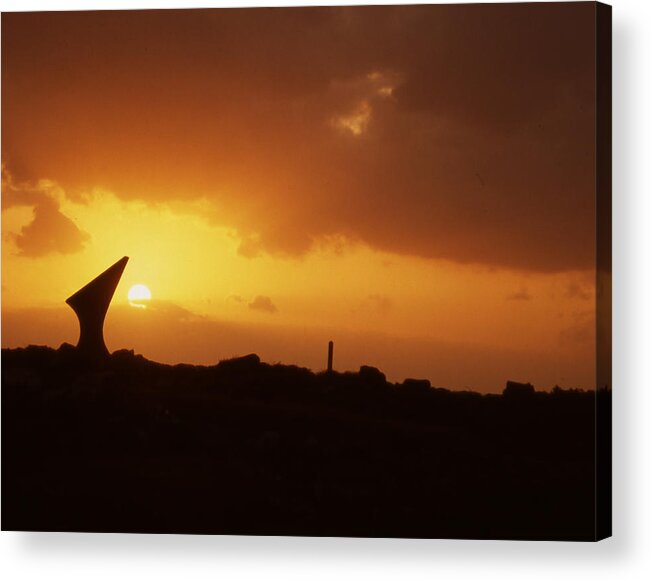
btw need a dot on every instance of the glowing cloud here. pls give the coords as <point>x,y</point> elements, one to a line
<point>357,122</point>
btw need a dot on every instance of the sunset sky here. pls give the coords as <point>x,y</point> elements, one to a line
<point>415,183</point>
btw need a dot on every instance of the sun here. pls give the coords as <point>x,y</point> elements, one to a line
<point>138,295</point>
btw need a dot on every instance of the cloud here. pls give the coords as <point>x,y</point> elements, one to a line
<point>581,330</point>
<point>168,309</point>
<point>521,295</point>
<point>50,230</point>
<point>368,122</point>
<point>262,303</point>
<point>575,290</point>
<point>249,246</point>
<point>357,121</point>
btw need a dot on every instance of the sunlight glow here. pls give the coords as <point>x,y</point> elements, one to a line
<point>138,295</point>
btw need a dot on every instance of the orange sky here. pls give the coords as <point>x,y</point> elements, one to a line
<point>415,183</point>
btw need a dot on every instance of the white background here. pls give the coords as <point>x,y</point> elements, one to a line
<point>58,556</point>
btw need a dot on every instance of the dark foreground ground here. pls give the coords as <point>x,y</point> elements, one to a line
<point>248,448</point>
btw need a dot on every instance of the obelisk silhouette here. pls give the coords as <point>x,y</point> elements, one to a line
<point>90,304</point>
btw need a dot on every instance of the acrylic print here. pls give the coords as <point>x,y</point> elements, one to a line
<point>338,271</point>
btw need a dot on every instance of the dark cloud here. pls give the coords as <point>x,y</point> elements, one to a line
<point>263,303</point>
<point>521,295</point>
<point>463,132</point>
<point>580,330</point>
<point>50,230</point>
<point>575,290</point>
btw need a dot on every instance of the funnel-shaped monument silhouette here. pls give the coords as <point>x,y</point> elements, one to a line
<point>90,304</point>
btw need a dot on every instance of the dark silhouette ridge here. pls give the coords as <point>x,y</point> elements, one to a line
<point>90,304</point>
<point>244,447</point>
<point>516,389</point>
